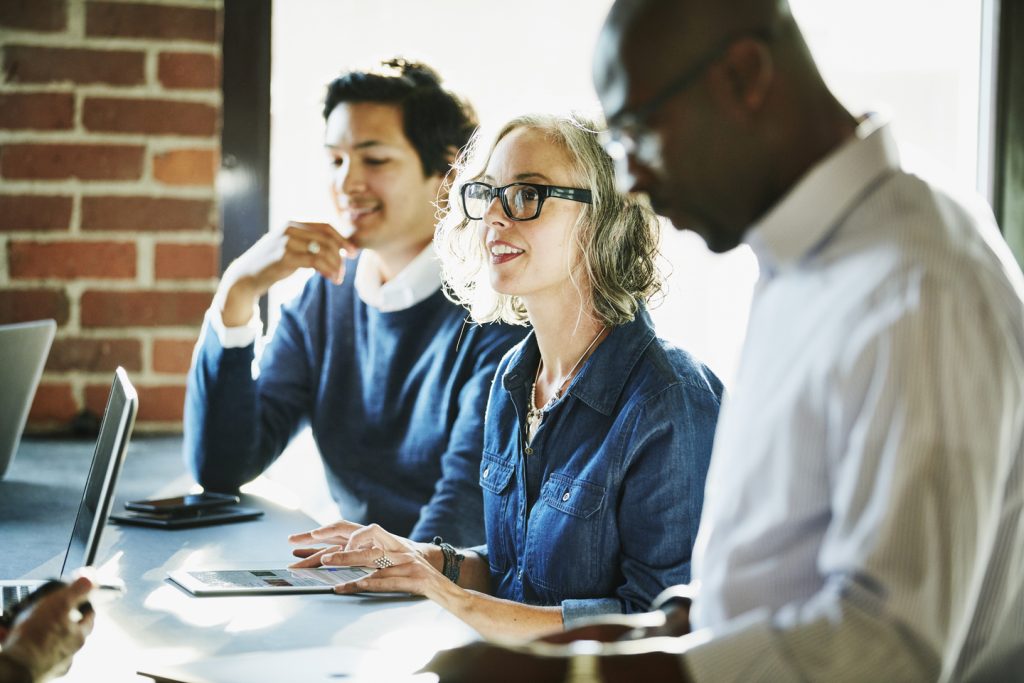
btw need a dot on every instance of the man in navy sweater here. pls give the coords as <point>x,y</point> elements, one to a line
<point>372,356</point>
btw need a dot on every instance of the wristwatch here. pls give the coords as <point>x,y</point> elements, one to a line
<point>583,669</point>
<point>584,665</point>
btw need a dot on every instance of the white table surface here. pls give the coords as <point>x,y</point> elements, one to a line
<point>156,626</point>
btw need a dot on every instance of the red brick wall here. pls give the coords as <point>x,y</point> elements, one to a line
<point>109,132</point>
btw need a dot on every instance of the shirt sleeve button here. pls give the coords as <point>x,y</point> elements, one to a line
<point>565,497</point>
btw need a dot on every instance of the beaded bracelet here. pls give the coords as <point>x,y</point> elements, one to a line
<point>452,559</point>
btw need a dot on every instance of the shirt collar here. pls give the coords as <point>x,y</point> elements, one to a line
<point>413,284</point>
<point>602,378</point>
<point>806,217</point>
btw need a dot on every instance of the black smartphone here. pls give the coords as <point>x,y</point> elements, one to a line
<point>202,517</point>
<point>183,505</point>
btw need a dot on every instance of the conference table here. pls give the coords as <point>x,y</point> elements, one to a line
<point>155,626</point>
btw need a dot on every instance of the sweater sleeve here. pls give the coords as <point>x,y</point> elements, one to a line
<point>455,511</point>
<point>235,424</point>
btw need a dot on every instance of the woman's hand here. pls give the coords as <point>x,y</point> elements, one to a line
<point>274,257</point>
<point>408,567</point>
<point>335,536</point>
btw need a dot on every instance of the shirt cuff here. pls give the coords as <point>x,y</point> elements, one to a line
<point>744,649</point>
<point>235,337</point>
<point>480,550</point>
<point>576,610</point>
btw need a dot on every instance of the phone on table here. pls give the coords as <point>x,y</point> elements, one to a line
<point>183,505</point>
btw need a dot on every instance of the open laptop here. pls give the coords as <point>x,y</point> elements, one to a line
<point>111,445</point>
<point>23,351</point>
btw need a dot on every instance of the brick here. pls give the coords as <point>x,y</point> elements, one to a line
<point>30,64</point>
<point>71,260</point>
<point>96,398</point>
<point>21,305</point>
<point>186,261</point>
<point>143,308</point>
<point>33,213</point>
<point>188,70</point>
<point>53,403</point>
<point>161,403</point>
<point>131,20</point>
<point>147,214</point>
<point>34,15</point>
<point>86,162</point>
<point>37,111</point>
<point>94,355</point>
<point>186,167</point>
<point>173,355</point>
<point>123,115</point>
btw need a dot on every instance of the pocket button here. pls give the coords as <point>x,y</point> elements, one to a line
<point>565,497</point>
<point>487,471</point>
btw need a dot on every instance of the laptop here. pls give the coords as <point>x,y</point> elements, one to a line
<point>111,445</point>
<point>23,351</point>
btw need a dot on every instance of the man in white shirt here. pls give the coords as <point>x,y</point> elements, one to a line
<point>862,517</point>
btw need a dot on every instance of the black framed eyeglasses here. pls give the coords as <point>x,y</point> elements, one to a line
<point>521,201</point>
<point>628,130</point>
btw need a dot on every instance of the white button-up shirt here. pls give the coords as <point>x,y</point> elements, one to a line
<point>863,512</point>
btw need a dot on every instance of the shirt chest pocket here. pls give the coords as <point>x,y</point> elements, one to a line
<point>570,545</point>
<point>495,474</point>
<point>575,497</point>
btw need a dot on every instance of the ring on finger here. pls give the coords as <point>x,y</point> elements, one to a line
<point>313,248</point>
<point>383,562</point>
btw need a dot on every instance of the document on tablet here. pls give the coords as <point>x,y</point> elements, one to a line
<point>264,581</point>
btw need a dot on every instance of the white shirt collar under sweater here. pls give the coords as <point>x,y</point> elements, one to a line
<point>416,282</point>
<point>413,284</point>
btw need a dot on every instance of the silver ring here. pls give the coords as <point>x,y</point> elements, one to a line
<point>313,248</point>
<point>383,562</point>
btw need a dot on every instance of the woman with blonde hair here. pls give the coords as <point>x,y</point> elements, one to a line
<point>597,435</point>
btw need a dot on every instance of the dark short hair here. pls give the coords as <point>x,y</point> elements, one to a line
<point>435,120</point>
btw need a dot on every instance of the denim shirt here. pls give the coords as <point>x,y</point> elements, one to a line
<point>599,512</point>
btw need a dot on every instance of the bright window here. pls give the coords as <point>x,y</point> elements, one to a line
<point>917,60</point>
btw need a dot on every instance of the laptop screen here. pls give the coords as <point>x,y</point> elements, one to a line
<point>23,351</point>
<point>115,430</point>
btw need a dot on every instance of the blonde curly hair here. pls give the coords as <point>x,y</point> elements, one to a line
<point>617,236</point>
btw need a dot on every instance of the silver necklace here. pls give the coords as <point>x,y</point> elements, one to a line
<point>536,415</point>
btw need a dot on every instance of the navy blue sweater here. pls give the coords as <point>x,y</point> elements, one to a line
<point>395,400</point>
